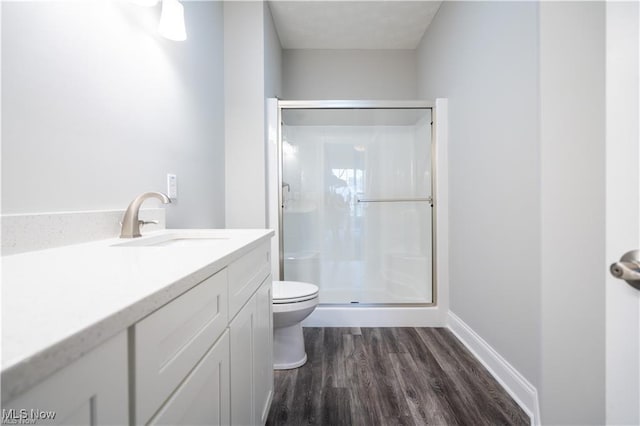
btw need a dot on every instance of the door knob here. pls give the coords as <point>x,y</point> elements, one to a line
<point>628,268</point>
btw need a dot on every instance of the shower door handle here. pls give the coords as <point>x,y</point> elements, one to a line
<point>394,200</point>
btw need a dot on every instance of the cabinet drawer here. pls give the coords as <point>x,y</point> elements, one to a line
<point>203,398</point>
<point>171,341</point>
<point>245,276</point>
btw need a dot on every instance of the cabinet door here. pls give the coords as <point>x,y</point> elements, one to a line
<point>203,398</point>
<point>242,342</point>
<point>251,334</point>
<point>171,341</point>
<point>263,357</point>
<point>90,391</point>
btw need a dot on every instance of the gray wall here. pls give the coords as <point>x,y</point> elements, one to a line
<point>244,51</point>
<point>483,57</point>
<point>252,65</point>
<point>272,57</point>
<point>97,108</point>
<point>272,89</point>
<point>349,74</point>
<point>526,88</point>
<point>574,268</point>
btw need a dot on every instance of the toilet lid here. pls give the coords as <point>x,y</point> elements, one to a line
<point>293,291</point>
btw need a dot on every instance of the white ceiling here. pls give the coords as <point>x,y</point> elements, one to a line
<point>363,24</point>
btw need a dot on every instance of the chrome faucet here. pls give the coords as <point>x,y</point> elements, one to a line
<point>130,222</point>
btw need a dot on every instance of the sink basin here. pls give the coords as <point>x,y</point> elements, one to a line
<point>188,242</point>
<point>174,240</point>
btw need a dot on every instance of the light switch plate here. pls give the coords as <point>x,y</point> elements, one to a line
<point>172,186</point>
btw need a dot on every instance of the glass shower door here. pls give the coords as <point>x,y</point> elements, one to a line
<point>357,203</point>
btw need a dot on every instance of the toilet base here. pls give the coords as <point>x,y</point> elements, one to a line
<point>288,347</point>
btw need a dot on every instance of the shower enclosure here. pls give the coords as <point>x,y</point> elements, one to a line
<point>356,201</point>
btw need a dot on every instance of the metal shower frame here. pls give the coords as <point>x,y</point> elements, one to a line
<point>360,104</point>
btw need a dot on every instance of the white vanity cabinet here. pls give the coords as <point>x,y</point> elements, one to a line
<point>203,357</point>
<point>195,358</point>
<point>90,391</point>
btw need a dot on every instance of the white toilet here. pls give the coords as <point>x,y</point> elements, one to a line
<point>293,301</point>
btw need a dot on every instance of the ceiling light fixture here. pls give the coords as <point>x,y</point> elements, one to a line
<point>172,21</point>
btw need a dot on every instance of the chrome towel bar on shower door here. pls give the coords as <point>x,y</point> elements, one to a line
<point>393,200</point>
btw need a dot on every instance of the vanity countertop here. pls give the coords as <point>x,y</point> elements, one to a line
<point>60,303</point>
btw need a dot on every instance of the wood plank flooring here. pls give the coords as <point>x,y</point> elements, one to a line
<point>389,376</point>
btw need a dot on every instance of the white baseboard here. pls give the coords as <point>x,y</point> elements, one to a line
<point>376,316</point>
<point>523,392</point>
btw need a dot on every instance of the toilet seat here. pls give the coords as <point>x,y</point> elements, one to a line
<point>293,292</point>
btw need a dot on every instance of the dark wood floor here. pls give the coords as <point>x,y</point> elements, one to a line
<point>389,376</point>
